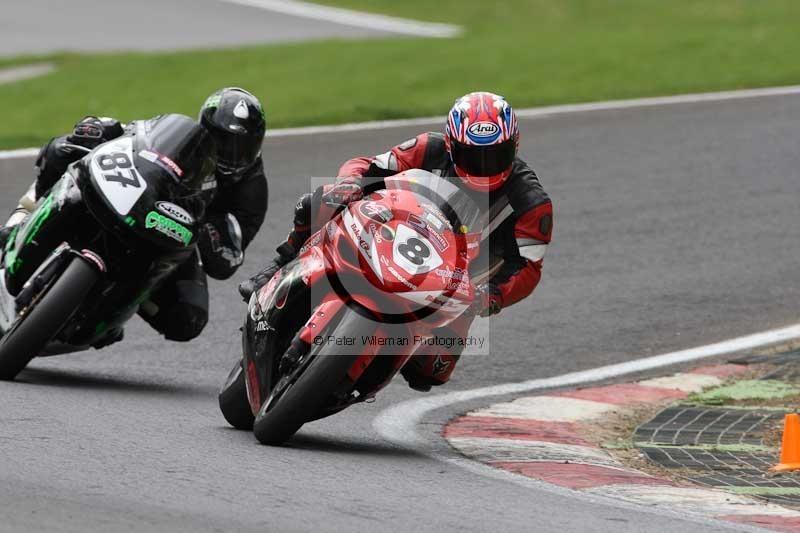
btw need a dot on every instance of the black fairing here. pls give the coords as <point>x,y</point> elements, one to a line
<point>140,215</point>
<point>269,329</point>
<point>162,148</point>
<point>185,142</point>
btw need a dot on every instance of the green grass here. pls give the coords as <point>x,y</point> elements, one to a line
<point>536,52</point>
<point>749,389</point>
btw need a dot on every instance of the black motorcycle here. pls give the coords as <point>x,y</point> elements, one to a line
<point>107,235</point>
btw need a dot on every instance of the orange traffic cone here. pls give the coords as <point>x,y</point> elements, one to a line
<point>790,446</point>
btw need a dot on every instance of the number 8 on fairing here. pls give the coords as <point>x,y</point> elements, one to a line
<point>415,251</point>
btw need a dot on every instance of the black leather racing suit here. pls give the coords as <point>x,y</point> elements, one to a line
<point>179,309</point>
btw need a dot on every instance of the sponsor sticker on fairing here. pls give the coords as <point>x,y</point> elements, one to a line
<point>172,165</point>
<point>168,227</point>
<point>376,211</point>
<point>434,221</point>
<point>457,280</point>
<point>445,302</point>
<point>175,211</point>
<point>315,240</point>
<point>373,229</point>
<point>437,239</point>
<point>402,279</point>
<point>163,161</point>
<point>148,155</point>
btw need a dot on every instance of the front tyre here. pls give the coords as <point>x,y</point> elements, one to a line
<point>233,400</point>
<point>48,313</point>
<point>314,389</point>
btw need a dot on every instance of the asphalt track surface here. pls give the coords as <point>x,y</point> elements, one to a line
<point>675,227</point>
<point>45,26</point>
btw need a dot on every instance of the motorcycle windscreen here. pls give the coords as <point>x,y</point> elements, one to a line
<point>461,210</point>
<point>181,147</point>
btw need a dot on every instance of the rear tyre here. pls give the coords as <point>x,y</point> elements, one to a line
<point>313,391</point>
<point>51,311</point>
<point>233,400</point>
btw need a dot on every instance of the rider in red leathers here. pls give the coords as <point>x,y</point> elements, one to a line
<point>478,152</point>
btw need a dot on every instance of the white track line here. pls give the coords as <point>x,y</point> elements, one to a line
<point>350,17</point>
<point>25,72</point>
<point>530,113</point>
<point>22,153</point>
<point>399,423</point>
<point>546,111</point>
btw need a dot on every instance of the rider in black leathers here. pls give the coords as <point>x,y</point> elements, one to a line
<point>236,209</point>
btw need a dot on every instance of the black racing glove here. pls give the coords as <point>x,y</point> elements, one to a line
<point>90,132</point>
<point>488,300</point>
<point>58,154</point>
<point>220,246</point>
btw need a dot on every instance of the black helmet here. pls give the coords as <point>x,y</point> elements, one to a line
<point>236,120</point>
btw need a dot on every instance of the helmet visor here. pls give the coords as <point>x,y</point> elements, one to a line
<point>484,160</point>
<point>237,153</point>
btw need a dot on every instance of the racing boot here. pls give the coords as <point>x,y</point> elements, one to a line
<point>415,381</point>
<point>248,287</point>
<point>113,336</point>
<point>286,252</point>
<point>423,372</point>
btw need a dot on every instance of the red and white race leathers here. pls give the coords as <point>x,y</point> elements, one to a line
<point>520,214</point>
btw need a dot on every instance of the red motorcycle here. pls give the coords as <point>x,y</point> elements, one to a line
<point>335,325</point>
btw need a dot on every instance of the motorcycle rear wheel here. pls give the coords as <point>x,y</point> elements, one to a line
<point>313,390</point>
<point>50,311</point>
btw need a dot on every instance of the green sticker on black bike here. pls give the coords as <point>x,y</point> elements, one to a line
<point>31,229</point>
<point>168,227</point>
<point>12,262</point>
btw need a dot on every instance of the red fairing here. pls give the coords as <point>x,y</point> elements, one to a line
<point>404,156</point>
<point>378,229</point>
<point>535,224</point>
<point>253,387</point>
<point>320,318</point>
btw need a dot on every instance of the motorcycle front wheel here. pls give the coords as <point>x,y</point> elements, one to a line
<point>314,389</point>
<point>47,315</point>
